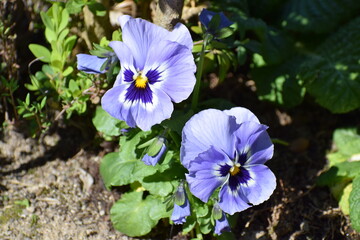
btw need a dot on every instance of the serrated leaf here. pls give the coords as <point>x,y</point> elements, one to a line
<point>347,141</point>
<point>279,83</point>
<point>40,52</point>
<point>117,170</point>
<point>331,74</point>
<point>341,172</point>
<point>317,16</point>
<point>354,203</point>
<point>134,216</point>
<point>162,184</point>
<point>107,124</point>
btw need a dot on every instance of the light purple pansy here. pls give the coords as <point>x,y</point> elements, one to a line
<point>181,206</point>
<point>157,68</point>
<point>228,149</point>
<point>89,63</point>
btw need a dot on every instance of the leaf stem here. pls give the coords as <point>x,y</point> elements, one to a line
<point>199,72</point>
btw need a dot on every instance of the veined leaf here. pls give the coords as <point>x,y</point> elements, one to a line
<point>332,73</point>
<point>136,216</point>
<point>354,202</point>
<point>318,16</point>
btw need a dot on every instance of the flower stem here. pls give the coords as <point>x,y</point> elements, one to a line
<point>195,96</point>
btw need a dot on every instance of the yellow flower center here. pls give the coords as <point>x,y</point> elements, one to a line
<point>140,81</point>
<point>235,169</point>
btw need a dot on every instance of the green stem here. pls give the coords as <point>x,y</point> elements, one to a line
<point>198,232</point>
<point>195,96</point>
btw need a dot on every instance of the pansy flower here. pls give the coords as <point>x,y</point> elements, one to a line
<point>181,206</point>
<point>89,63</point>
<point>227,150</point>
<point>206,18</point>
<point>155,151</point>
<point>221,222</point>
<point>157,68</point>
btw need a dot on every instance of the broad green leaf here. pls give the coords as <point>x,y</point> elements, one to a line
<point>69,43</point>
<point>317,16</point>
<point>134,216</point>
<point>125,167</point>
<point>178,120</point>
<point>344,199</point>
<point>354,202</point>
<point>50,35</point>
<point>162,184</point>
<point>74,6</point>
<point>347,141</point>
<point>341,172</point>
<point>279,83</point>
<point>40,52</point>
<point>117,170</point>
<point>331,73</point>
<point>189,224</point>
<point>107,124</point>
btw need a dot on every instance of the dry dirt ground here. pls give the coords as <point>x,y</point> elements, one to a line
<point>47,194</point>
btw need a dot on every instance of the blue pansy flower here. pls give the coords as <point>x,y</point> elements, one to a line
<point>150,159</point>
<point>157,68</point>
<point>181,206</point>
<point>206,16</point>
<point>221,222</point>
<point>227,150</point>
<point>90,63</point>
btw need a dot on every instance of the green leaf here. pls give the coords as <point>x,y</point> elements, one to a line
<point>134,216</point>
<point>125,167</point>
<point>50,35</point>
<point>64,20</point>
<point>344,199</point>
<point>279,83</point>
<point>318,16</point>
<point>178,120</point>
<point>341,172</point>
<point>68,71</point>
<point>74,6</point>
<point>107,124</point>
<point>117,170</point>
<point>69,43</point>
<point>347,141</point>
<point>97,8</point>
<point>40,52</point>
<point>331,74</point>
<point>47,21</point>
<point>354,203</point>
<point>162,184</point>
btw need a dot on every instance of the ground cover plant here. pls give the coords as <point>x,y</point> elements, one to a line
<point>182,99</point>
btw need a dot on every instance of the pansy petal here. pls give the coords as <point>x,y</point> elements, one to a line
<point>181,35</point>
<point>124,19</point>
<point>242,115</point>
<point>139,35</point>
<point>232,201</point>
<point>89,63</point>
<point>114,103</point>
<point>204,175</point>
<point>176,66</point>
<point>261,185</point>
<point>153,160</point>
<point>180,213</point>
<point>222,225</point>
<point>148,114</point>
<point>254,138</point>
<point>208,128</point>
<point>123,53</point>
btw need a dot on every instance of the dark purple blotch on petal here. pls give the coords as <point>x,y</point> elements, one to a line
<point>134,94</point>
